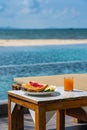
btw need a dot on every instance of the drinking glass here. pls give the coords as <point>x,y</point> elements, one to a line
<point>68,83</point>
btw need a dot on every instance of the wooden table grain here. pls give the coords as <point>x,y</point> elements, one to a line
<point>58,101</point>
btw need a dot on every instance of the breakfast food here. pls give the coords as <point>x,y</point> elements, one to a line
<point>33,86</point>
<point>50,88</point>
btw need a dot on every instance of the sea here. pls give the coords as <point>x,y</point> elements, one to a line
<point>40,60</point>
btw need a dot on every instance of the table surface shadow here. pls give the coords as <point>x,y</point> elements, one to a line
<point>29,124</point>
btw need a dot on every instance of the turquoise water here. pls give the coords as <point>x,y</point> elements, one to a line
<point>38,61</point>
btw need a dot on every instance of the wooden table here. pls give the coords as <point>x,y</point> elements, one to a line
<point>58,101</point>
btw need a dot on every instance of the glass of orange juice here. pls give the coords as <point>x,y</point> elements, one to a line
<point>68,83</point>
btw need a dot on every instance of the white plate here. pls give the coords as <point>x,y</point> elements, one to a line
<point>39,93</point>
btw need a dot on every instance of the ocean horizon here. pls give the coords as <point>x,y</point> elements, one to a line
<point>71,33</point>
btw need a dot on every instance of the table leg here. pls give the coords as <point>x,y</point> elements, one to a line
<point>60,120</point>
<point>16,118</point>
<point>40,118</point>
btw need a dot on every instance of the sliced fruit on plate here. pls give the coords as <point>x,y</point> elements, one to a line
<point>50,88</point>
<point>34,86</point>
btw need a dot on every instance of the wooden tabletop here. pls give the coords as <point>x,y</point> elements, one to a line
<point>59,94</point>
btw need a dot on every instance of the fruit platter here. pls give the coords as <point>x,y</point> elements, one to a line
<point>35,88</point>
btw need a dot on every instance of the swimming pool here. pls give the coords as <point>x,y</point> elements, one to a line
<point>38,61</point>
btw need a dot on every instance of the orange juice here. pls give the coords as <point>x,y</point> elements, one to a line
<point>68,84</point>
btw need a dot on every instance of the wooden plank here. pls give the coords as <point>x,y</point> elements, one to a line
<point>17,118</point>
<point>40,118</point>
<point>60,120</point>
<point>66,103</point>
<point>77,113</point>
<point>24,103</point>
